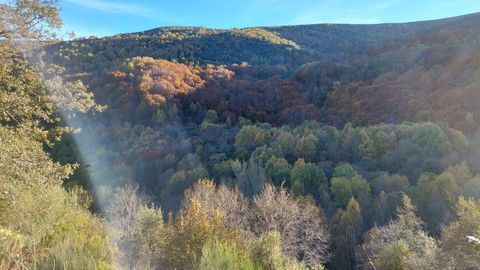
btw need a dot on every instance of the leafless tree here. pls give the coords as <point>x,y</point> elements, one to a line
<point>122,215</point>
<point>303,235</point>
<point>250,177</point>
<point>405,233</point>
<point>299,223</point>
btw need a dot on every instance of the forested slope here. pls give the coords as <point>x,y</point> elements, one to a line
<point>318,109</point>
<point>295,147</point>
<point>381,73</point>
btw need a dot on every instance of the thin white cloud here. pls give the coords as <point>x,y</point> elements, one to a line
<point>330,11</point>
<point>113,7</point>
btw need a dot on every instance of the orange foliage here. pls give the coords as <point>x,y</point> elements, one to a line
<point>161,79</point>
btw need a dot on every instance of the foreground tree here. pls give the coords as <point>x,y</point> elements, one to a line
<point>459,249</point>
<point>401,244</point>
<point>302,233</point>
<point>41,224</point>
<point>136,230</point>
<point>32,99</point>
<point>29,19</point>
<point>229,201</point>
<point>188,232</point>
<point>48,226</point>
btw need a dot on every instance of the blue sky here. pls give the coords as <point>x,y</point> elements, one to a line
<point>108,17</point>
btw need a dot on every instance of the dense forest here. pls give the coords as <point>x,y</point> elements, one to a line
<point>298,147</point>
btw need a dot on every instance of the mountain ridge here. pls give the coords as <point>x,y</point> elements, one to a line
<point>189,27</point>
<point>350,72</point>
<point>286,45</point>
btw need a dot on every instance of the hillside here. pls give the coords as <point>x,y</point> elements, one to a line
<point>263,45</point>
<point>381,73</point>
<point>189,106</point>
<point>326,146</point>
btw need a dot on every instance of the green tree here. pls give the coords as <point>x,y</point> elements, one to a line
<point>267,254</point>
<point>346,232</point>
<point>431,138</point>
<point>284,144</point>
<point>278,169</point>
<point>347,183</point>
<point>341,189</point>
<point>249,138</point>
<point>307,178</point>
<point>225,255</point>
<point>344,170</point>
<point>366,147</point>
<point>382,143</point>
<point>436,196</point>
<point>306,147</point>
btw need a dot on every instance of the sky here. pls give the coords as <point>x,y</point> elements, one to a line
<point>109,17</point>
